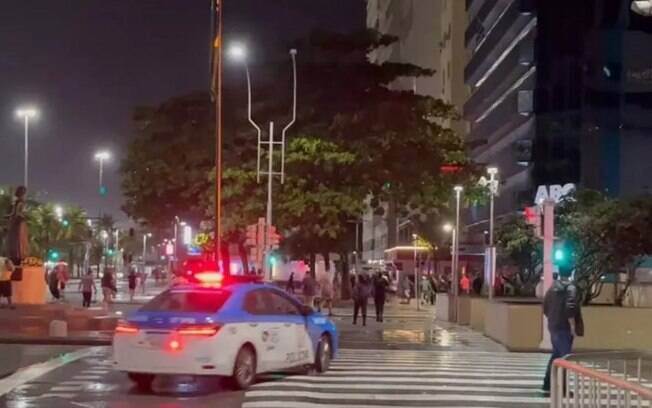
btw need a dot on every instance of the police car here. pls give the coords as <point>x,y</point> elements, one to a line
<point>229,329</point>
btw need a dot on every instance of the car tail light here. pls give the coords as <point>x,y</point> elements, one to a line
<point>126,328</point>
<point>199,330</point>
<point>174,345</point>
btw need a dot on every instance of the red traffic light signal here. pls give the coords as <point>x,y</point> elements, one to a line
<point>532,217</point>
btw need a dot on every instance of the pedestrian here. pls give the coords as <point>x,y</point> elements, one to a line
<point>426,290</point>
<point>87,287</point>
<point>326,294</point>
<point>404,290</point>
<point>290,285</point>
<point>53,284</point>
<point>132,279</point>
<point>465,284</point>
<point>143,278</point>
<point>62,278</point>
<point>108,287</point>
<point>433,292</point>
<point>381,284</point>
<point>6,270</point>
<point>477,284</point>
<point>361,292</point>
<point>309,289</point>
<point>561,306</point>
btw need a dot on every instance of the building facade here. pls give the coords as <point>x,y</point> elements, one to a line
<point>430,35</point>
<point>560,93</point>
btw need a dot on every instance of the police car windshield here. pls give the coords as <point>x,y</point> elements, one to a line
<point>188,301</point>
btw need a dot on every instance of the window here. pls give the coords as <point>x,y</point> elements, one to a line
<point>258,302</point>
<point>188,301</point>
<point>283,306</point>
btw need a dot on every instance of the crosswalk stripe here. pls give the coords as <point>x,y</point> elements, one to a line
<point>411,378</point>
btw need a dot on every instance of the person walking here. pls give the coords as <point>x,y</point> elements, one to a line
<point>108,288</point>
<point>6,270</point>
<point>361,292</point>
<point>142,278</point>
<point>433,292</point>
<point>309,289</point>
<point>62,278</point>
<point>132,278</point>
<point>87,287</point>
<point>381,283</point>
<point>53,284</point>
<point>426,290</point>
<point>290,285</point>
<point>561,306</point>
<point>326,295</point>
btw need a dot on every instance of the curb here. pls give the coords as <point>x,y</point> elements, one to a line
<point>58,341</point>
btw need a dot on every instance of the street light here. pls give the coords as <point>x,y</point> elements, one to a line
<point>415,238</point>
<point>101,157</point>
<point>456,256</point>
<point>493,190</point>
<point>238,53</point>
<point>448,227</point>
<point>26,113</point>
<point>145,236</point>
<point>58,210</point>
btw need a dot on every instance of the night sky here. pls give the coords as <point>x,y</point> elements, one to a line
<point>87,63</point>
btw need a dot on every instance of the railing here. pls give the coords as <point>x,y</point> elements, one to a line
<point>602,380</point>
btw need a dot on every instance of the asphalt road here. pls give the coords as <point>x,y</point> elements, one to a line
<point>407,361</point>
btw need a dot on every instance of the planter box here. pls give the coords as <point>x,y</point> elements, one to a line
<point>611,327</point>
<point>517,326</point>
<point>464,310</point>
<point>478,308</point>
<point>444,307</point>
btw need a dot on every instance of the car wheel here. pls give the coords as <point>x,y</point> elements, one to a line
<point>142,381</point>
<point>323,355</point>
<point>244,370</point>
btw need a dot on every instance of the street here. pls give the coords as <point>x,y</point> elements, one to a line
<point>408,361</point>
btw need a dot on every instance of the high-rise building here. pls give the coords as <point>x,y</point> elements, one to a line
<point>561,92</point>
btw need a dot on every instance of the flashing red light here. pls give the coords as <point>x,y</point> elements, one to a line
<point>126,328</point>
<point>209,277</point>
<point>174,345</point>
<point>207,330</point>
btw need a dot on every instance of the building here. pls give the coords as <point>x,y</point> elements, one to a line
<point>431,35</point>
<point>560,92</point>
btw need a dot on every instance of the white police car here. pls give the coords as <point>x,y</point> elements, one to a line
<point>235,329</point>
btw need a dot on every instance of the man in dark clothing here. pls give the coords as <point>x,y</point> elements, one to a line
<point>380,294</point>
<point>361,292</point>
<point>561,307</point>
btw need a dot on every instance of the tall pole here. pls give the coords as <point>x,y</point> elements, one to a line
<point>416,271</point>
<point>268,218</point>
<point>456,258</point>
<point>250,118</point>
<point>101,181</point>
<point>26,150</point>
<point>217,83</point>
<point>493,188</point>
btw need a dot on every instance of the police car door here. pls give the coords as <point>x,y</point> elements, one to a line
<point>266,329</point>
<point>297,349</point>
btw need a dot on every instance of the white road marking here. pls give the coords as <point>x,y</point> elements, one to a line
<point>30,373</point>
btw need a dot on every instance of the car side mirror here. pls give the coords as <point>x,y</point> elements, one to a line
<point>306,310</point>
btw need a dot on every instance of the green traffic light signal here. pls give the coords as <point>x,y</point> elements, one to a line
<point>272,260</point>
<point>559,255</point>
<point>563,257</point>
<point>65,223</point>
<point>54,255</point>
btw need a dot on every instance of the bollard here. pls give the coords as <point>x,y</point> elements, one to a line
<point>58,328</point>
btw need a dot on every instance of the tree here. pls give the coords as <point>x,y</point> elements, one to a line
<point>518,246</point>
<point>166,169</point>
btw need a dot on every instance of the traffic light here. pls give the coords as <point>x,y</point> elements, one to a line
<point>252,231</point>
<point>65,223</point>
<point>563,256</point>
<point>53,255</point>
<point>274,238</point>
<point>103,191</point>
<point>532,217</point>
<point>109,252</point>
<point>272,260</point>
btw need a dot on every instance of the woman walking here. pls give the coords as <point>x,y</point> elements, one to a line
<point>361,292</point>
<point>380,295</point>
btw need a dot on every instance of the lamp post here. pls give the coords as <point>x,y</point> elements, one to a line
<point>416,270</point>
<point>145,236</point>
<point>238,53</point>
<point>493,190</point>
<point>101,157</point>
<point>456,255</point>
<point>26,114</point>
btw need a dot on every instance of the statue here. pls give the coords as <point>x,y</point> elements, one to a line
<point>17,234</point>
